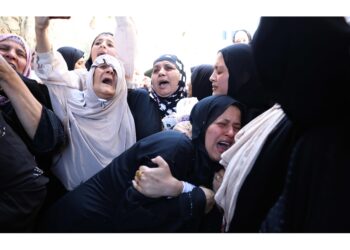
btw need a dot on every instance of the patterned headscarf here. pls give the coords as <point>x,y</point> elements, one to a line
<point>167,105</point>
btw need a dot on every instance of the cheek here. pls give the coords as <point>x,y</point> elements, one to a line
<point>209,140</point>
<point>175,81</point>
<point>22,65</point>
<point>112,52</point>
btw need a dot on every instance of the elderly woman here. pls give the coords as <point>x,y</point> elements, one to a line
<point>104,43</point>
<point>108,202</point>
<point>30,130</point>
<point>26,104</point>
<point>98,121</point>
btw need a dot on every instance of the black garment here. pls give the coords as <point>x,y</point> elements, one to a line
<point>145,112</point>
<point>107,202</point>
<point>315,195</point>
<point>308,74</point>
<point>265,181</point>
<point>50,133</point>
<point>243,81</point>
<point>49,136</point>
<point>201,85</point>
<point>22,185</point>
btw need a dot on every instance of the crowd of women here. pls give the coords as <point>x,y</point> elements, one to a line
<point>257,143</point>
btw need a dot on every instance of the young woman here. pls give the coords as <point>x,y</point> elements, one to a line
<point>235,75</point>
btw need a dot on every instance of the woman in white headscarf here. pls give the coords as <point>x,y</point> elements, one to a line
<point>98,121</point>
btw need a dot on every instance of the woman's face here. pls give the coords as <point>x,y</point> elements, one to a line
<point>165,78</point>
<point>80,64</point>
<point>241,37</point>
<point>103,44</point>
<point>105,81</point>
<point>219,78</point>
<point>221,133</point>
<point>14,54</point>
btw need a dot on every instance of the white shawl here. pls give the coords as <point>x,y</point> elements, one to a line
<point>98,130</point>
<point>239,159</point>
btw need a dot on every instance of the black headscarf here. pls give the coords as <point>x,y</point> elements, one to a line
<point>71,56</point>
<point>201,85</point>
<point>243,80</point>
<point>204,113</point>
<point>305,63</point>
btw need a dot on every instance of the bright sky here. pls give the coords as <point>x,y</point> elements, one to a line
<point>195,40</point>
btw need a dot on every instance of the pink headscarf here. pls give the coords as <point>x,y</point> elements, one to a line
<point>22,42</point>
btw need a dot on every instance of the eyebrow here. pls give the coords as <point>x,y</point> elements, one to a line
<point>228,121</point>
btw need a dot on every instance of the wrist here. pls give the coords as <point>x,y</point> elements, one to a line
<point>177,187</point>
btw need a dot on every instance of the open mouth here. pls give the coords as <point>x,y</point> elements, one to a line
<point>13,66</point>
<point>107,80</point>
<point>224,145</point>
<point>162,83</point>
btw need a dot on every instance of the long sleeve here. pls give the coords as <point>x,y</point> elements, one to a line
<point>51,68</point>
<point>126,40</point>
<point>22,185</point>
<point>50,133</point>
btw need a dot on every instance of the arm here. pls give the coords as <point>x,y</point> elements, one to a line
<point>27,108</point>
<point>126,39</point>
<point>43,44</point>
<point>159,182</point>
<point>50,65</point>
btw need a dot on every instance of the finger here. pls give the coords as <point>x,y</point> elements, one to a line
<point>144,168</point>
<point>160,162</point>
<point>138,174</point>
<point>136,186</point>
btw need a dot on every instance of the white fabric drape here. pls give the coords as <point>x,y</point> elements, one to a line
<point>239,159</point>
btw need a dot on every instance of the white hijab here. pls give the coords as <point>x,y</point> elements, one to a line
<point>99,130</point>
<point>240,157</point>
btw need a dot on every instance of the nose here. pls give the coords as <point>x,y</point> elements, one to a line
<point>230,132</point>
<point>11,53</point>
<point>103,44</point>
<point>212,77</point>
<point>161,71</point>
<point>109,70</point>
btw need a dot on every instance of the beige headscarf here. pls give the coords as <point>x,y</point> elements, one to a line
<point>239,159</point>
<point>99,130</point>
